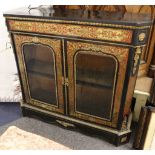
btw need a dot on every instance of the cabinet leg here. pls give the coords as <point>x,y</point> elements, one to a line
<point>119,140</point>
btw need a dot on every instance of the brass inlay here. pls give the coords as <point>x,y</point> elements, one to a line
<point>79,39</point>
<point>83,31</point>
<point>78,22</point>
<point>65,124</point>
<point>35,39</point>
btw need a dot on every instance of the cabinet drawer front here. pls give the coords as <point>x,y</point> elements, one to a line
<point>70,30</point>
<point>96,74</point>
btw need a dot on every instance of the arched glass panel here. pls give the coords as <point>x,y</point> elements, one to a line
<point>95,76</point>
<point>40,65</point>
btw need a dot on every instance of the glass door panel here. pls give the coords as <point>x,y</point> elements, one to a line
<point>95,77</point>
<point>40,67</point>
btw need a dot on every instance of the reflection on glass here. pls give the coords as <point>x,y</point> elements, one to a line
<point>95,76</point>
<point>39,61</point>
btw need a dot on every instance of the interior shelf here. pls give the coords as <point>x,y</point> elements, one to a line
<point>40,75</point>
<point>41,68</point>
<point>94,78</point>
<point>96,85</point>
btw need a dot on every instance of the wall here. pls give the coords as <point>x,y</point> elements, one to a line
<point>3,31</point>
<point>6,5</point>
<point>8,79</point>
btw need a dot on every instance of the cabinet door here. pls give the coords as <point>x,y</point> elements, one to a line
<point>41,71</point>
<point>96,74</point>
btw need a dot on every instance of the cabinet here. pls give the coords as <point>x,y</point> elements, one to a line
<point>79,69</point>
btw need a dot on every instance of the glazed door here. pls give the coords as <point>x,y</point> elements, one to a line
<point>96,76</point>
<point>41,71</point>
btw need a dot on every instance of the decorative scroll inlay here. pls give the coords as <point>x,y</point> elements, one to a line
<point>82,31</point>
<point>55,44</point>
<point>121,53</point>
<point>35,39</point>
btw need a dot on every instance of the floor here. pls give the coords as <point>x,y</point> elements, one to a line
<point>10,115</point>
<point>9,112</point>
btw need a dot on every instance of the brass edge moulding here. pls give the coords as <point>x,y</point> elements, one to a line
<point>79,39</point>
<point>65,124</point>
<point>114,131</point>
<point>79,22</point>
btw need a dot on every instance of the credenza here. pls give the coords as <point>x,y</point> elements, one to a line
<point>78,67</point>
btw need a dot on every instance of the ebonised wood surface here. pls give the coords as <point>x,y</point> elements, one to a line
<point>83,15</point>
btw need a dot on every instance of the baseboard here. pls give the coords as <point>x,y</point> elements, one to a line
<point>114,138</point>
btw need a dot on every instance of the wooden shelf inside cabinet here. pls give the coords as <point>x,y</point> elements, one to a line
<point>41,68</point>
<point>94,78</point>
<point>95,85</point>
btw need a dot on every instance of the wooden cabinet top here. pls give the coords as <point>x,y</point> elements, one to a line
<point>50,13</point>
